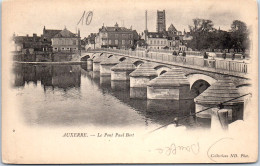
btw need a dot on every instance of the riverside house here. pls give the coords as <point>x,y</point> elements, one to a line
<point>66,41</point>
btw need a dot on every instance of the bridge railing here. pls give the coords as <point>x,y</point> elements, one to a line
<point>223,64</point>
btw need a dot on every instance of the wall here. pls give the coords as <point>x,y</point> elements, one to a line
<point>139,81</point>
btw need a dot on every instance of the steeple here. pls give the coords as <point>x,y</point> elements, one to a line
<point>116,25</point>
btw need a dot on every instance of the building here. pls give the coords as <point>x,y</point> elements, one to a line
<point>90,41</point>
<point>116,37</point>
<point>167,40</point>
<point>173,30</point>
<point>46,37</point>
<point>157,40</point>
<point>22,43</point>
<point>36,43</point>
<point>161,22</point>
<point>161,41</point>
<point>48,34</point>
<point>66,41</point>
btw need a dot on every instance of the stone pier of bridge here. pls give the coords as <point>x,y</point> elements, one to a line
<point>156,80</point>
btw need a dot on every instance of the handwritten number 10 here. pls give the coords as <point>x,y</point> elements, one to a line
<point>88,15</point>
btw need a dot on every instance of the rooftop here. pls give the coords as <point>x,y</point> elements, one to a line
<point>65,34</point>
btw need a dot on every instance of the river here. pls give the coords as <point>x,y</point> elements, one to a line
<point>72,95</point>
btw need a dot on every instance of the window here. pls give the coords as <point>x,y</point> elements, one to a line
<point>116,42</point>
<point>110,41</point>
<point>123,35</point>
<point>151,42</point>
<point>130,42</point>
<point>161,42</point>
<point>158,42</point>
<point>116,35</point>
<point>130,36</point>
<point>74,42</point>
<point>123,42</point>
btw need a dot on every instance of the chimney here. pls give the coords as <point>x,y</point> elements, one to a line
<point>78,32</point>
<point>43,30</point>
<point>34,37</point>
<point>146,20</point>
<point>145,31</point>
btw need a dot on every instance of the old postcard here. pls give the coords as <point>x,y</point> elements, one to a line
<point>129,81</point>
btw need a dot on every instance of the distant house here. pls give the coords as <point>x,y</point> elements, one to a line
<point>90,41</point>
<point>169,40</point>
<point>34,42</point>
<point>27,42</point>
<point>65,41</point>
<point>116,37</point>
<point>157,40</point>
<point>48,34</point>
<point>46,37</point>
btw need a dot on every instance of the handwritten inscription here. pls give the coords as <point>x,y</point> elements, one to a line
<point>174,149</point>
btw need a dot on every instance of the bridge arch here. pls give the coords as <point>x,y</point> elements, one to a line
<point>137,63</point>
<point>199,83</point>
<point>93,57</point>
<point>84,58</point>
<point>122,59</point>
<point>110,56</point>
<point>160,69</point>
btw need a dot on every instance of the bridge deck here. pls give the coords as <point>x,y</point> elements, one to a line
<point>169,60</point>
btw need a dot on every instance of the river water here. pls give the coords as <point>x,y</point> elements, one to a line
<point>73,95</point>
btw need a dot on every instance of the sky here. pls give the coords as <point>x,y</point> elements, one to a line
<point>28,17</point>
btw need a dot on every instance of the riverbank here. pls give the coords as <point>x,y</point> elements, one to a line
<point>52,63</point>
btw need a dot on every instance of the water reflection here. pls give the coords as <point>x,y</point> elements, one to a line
<point>89,98</point>
<point>62,76</point>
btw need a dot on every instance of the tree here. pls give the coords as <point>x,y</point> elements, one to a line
<point>239,35</point>
<point>200,30</point>
<point>205,36</point>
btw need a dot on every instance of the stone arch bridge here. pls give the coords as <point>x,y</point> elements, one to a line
<point>199,75</point>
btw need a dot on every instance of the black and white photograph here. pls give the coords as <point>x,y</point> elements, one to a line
<point>127,81</point>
